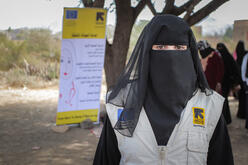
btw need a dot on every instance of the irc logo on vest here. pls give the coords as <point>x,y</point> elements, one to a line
<point>198,116</point>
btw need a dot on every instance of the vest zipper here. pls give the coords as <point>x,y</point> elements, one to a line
<point>162,152</point>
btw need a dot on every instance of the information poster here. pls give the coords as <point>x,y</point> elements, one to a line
<point>81,65</point>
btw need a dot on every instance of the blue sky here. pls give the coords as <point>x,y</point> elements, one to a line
<point>48,14</point>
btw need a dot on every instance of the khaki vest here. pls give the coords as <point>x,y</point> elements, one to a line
<point>188,143</point>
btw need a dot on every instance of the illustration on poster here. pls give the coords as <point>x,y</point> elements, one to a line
<point>72,93</point>
<point>68,92</point>
<point>68,96</point>
<point>66,63</point>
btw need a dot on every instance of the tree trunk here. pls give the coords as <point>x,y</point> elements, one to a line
<point>116,54</point>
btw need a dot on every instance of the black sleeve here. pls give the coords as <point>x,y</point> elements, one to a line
<point>107,152</point>
<point>220,150</point>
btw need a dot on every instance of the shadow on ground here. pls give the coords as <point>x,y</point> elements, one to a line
<point>26,136</point>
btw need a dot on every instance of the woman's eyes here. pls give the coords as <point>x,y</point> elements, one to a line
<point>169,47</point>
<point>161,46</point>
<point>181,47</point>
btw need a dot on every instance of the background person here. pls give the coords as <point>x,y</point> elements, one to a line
<point>240,51</point>
<point>212,64</point>
<point>244,74</point>
<point>231,79</point>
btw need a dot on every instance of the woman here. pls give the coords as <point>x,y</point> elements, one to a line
<point>162,111</point>
<point>244,74</point>
<point>240,51</point>
<point>212,65</point>
<point>231,79</point>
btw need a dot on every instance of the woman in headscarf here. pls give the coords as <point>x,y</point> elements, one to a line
<point>231,79</point>
<point>212,65</point>
<point>244,74</point>
<point>240,51</point>
<point>161,110</point>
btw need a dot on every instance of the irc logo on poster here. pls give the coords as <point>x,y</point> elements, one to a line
<point>198,116</point>
<point>100,18</point>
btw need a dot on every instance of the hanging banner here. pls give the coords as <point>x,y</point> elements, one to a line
<point>81,65</point>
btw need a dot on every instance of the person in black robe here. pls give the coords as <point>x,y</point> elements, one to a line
<point>212,64</point>
<point>138,80</point>
<point>244,74</point>
<point>240,51</point>
<point>231,79</point>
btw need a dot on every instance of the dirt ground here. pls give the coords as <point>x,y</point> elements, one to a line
<point>26,137</point>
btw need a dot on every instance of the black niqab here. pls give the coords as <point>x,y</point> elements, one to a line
<point>224,52</point>
<point>171,81</point>
<point>240,50</point>
<point>204,48</point>
<point>131,88</point>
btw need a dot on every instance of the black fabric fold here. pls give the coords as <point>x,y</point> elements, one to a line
<point>171,83</point>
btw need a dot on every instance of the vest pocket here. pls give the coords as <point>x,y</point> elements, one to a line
<point>197,146</point>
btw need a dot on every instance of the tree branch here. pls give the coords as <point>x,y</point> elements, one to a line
<point>139,8</point>
<point>99,3</point>
<point>151,7</point>
<point>87,3</point>
<point>169,6</point>
<point>190,9</point>
<point>205,11</point>
<point>179,10</point>
<point>107,42</point>
<point>108,45</point>
<point>91,3</point>
<point>188,13</point>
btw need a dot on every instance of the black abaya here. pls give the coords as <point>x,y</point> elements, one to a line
<point>107,152</point>
<point>242,102</point>
<point>240,50</point>
<point>231,78</point>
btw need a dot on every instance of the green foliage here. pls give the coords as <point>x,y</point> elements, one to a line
<point>228,33</point>
<point>29,53</point>
<point>32,44</point>
<point>17,77</point>
<point>225,37</point>
<point>10,52</point>
<point>137,29</point>
<point>39,40</point>
<point>197,32</point>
